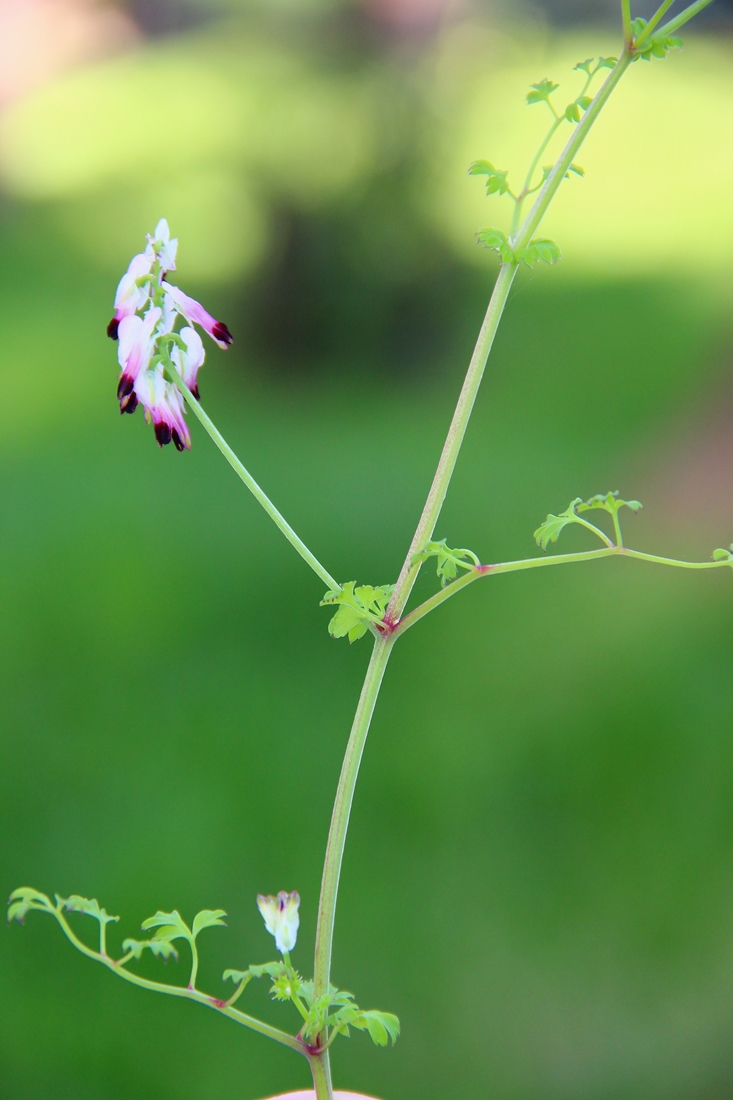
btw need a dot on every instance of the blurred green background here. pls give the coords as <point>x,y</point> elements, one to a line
<point>538,876</point>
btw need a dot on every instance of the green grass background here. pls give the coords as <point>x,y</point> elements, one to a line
<point>538,874</point>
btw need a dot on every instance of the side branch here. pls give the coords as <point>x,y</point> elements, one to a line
<point>479,571</point>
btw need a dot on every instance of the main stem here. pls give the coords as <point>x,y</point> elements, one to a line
<point>425,528</point>
<point>454,440</point>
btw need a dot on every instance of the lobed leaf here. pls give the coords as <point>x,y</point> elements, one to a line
<point>24,899</point>
<point>170,926</point>
<point>550,530</point>
<point>90,906</point>
<point>358,607</point>
<point>207,918</point>
<point>718,555</point>
<point>540,93</point>
<point>448,561</point>
<point>609,502</point>
<point>162,949</point>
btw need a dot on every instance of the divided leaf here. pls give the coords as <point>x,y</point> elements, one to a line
<point>610,503</point>
<point>718,555</point>
<point>656,45</point>
<point>549,531</point>
<point>541,249</point>
<point>24,899</point>
<point>448,561</point>
<point>496,183</point>
<point>78,904</point>
<point>170,926</point>
<point>491,237</point>
<point>162,949</point>
<point>540,93</point>
<point>207,918</point>
<point>358,607</point>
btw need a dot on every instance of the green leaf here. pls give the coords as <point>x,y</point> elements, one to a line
<point>490,237</point>
<point>496,184</point>
<point>585,66</point>
<point>170,926</point>
<point>448,561</point>
<point>549,531</point>
<point>609,502</point>
<point>718,555</point>
<point>271,969</point>
<point>162,949</point>
<point>358,607</point>
<point>286,986</point>
<point>577,169</point>
<point>607,62</point>
<point>584,102</point>
<point>236,976</point>
<point>541,92</point>
<point>572,112</point>
<point>78,904</point>
<point>24,899</point>
<point>207,918</point>
<point>381,1026</point>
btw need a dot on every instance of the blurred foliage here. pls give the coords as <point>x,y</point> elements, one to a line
<point>550,770</point>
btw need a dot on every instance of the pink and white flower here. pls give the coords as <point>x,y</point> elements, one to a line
<point>281,918</point>
<point>137,343</point>
<point>130,297</point>
<point>149,343</point>
<point>188,362</point>
<point>163,406</point>
<point>195,313</point>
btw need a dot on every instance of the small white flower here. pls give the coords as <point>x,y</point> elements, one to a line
<point>281,918</point>
<point>130,297</point>
<point>189,361</point>
<point>162,247</point>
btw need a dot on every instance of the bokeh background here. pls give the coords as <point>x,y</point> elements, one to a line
<point>539,876</point>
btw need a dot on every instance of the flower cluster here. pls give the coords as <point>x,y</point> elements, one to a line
<point>281,918</point>
<point>147,308</point>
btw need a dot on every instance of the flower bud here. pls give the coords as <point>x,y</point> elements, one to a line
<point>281,918</point>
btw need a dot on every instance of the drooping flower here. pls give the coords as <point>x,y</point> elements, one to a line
<point>137,340</point>
<point>188,362</point>
<point>163,406</point>
<point>281,918</point>
<point>130,297</point>
<point>150,346</point>
<point>195,313</point>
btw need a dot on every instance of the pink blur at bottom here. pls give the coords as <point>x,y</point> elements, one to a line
<point>310,1095</point>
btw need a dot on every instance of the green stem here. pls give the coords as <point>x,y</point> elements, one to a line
<point>321,1069</point>
<point>626,17</point>
<point>453,442</point>
<point>684,17</point>
<point>194,965</point>
<point>538,563</point>
<point>258,493</point>
<point>566,158</point>
<point>342,810</point>
<point>179,991</point>
<point>655,20</point>
<point>532,169</point>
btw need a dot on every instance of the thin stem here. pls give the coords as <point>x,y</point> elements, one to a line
<point>453,442</point>
<point>626,17</point>
<point>194,965</point>
<point>341,812</point>
<point>617,528</point>
<point>258,493</point>
<point>532,169</point>
<point>684,17</point>
<point>321,1069</point>
<point>566,158</point>
<point>179,991</point>
<point>537,563</point>
<point>655,20</point>
<point>597,531</point>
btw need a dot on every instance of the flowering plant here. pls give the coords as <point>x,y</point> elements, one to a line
<point>159,364</point>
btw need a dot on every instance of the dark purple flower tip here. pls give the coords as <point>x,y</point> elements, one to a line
<point>177,441</point>
<point>162,434</point>
<point>124,386</point>
<point>112,328</point>
<point>129,404</point>
<point>221,332</point>
<point>195,391</point>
